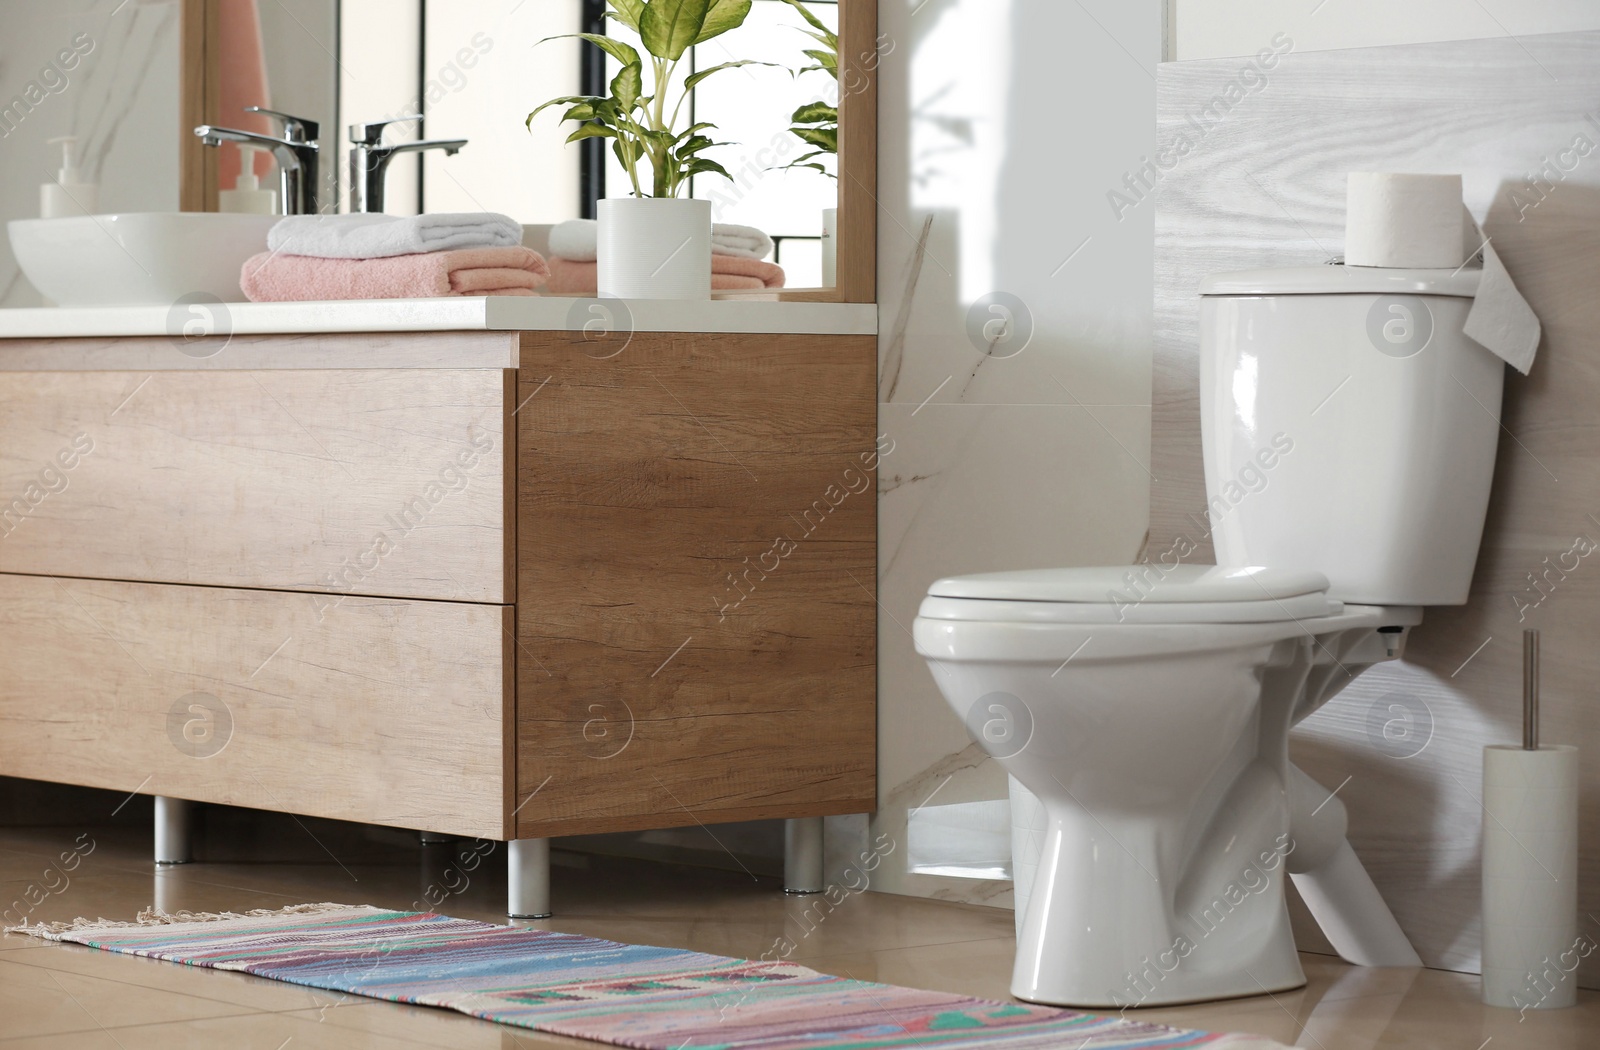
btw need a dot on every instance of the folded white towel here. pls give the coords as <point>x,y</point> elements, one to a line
<point>747,241</point>
<point>577,239</point>
<point>366,236</point>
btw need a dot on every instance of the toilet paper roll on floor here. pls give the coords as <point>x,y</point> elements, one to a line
<point>1530,877</point>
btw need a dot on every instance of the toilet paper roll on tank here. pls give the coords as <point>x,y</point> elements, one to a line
<point>1414,221</point>
<point>1404,220</point>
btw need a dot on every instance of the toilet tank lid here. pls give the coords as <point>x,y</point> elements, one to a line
<point>1344,280</point>
<point>1121,584</point>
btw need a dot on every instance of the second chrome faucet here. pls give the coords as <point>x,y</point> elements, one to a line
<point>298,154</point>
<point>369,160</point>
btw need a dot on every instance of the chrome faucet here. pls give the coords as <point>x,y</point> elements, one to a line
<point>297,154</point>
<point>369,161</point>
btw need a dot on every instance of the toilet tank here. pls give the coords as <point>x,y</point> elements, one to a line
<point>1349,427</point>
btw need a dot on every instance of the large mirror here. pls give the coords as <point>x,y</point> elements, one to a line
<point>474,69</point>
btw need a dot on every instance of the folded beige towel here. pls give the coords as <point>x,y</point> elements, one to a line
<point>279,277</point>
<point>576,277</point>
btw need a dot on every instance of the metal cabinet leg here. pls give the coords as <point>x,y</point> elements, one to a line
<point>174,830</point>
<point>528,867</point>
<point>802,855</point>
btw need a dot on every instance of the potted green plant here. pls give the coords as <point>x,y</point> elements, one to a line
<point>655,244</point>
<point>817,125</point>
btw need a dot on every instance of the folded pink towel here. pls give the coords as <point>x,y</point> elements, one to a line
<point>280,277</point>
<point>729,266</point>
<point>728,272</point>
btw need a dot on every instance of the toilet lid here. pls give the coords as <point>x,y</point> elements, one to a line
<point>1134,594</point>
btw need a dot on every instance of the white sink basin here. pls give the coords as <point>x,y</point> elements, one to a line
<point>138,258</point>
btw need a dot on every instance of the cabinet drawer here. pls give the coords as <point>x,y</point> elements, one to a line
<point>381,710</point>
<point>345,481</point>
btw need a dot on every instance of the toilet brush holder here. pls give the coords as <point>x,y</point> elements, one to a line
<point>1530,863</point>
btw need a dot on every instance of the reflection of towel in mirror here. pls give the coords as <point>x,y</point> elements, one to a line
<point>578,240</point>
<point>368,236</point>
<point>747,241</point>
<point>278,277</point>
<point>238,28</point>
<point>577,277</point>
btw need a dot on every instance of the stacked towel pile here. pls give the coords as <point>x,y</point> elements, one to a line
<point>316,257</point>
<point>737,254</point>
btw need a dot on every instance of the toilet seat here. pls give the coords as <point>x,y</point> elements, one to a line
<point>1141,594</point>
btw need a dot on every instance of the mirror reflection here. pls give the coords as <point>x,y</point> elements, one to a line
<point>91,121</point>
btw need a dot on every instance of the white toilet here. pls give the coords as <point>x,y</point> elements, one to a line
<point>1349,430</point>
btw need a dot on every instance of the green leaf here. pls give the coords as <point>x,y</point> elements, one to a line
<point>627,12</point>
<point>695,129</point>
<point>816,22</point>
<point>615,48</point>
<point>627,85</point>
<point>693,146</point>
<point>723,16</point>
<point>592,131</point>
<point>816,113</point>
<point>565,100</point>
<point>826,60</point>
<point>825,138</point>
<point>669,27</point>
<point>702,166</point>
<point>695,78</point>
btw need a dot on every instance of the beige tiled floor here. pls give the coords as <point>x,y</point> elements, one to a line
<point>66,996</point>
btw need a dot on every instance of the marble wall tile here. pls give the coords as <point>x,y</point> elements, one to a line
<point>121,100</point>
<point>980,488</point>
<point>1004,125</point>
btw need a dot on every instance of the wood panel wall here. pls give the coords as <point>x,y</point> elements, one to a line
<point>1262,184</point>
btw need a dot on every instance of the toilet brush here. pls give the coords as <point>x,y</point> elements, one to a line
<point>1530,862</point>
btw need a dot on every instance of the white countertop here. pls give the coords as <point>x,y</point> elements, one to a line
<point>493,313</point>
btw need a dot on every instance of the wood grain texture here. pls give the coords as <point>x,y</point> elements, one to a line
<point>664,677</point>
<point>382,482</point>
<point>199,88</point>
<point>858,151</point>
<point>383,711</point>
<point>781,295</point>
<point>1264,186</point>
<point>262,352</point>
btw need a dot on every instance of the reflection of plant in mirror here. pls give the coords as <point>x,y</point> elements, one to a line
<point>642,127</point>
<point>817,123</point>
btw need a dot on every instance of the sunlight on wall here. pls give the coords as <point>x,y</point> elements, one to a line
<point>958,127</point>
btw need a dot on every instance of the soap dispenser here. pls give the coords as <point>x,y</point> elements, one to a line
<point>247,196</point>
<point>71,194</point>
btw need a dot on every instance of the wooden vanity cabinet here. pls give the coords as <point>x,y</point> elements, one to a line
<point>479,583</point>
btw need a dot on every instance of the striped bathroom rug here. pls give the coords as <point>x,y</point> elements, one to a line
<point>624,994</point>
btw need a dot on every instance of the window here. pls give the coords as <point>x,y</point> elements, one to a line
<point>751,108</point>
<point>475,68</point>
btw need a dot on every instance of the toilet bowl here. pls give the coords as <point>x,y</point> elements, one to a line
<point>1154,730</point>
<point>1349,430</point>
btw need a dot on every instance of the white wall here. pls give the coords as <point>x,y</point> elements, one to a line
<point>1223,28</point>
<point>1003,124</point>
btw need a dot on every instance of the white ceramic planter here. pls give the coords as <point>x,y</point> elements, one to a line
<point>654,248</point>
<point>830,247</point>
